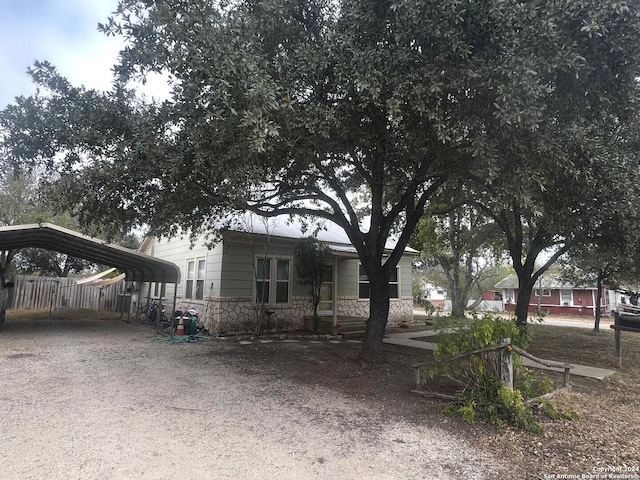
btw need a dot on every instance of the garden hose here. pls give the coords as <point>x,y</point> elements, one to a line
<point>198,337</point>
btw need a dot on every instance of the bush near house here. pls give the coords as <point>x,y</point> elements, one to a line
<point>480,392</point>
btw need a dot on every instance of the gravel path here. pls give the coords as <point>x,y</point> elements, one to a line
<point>99,400</point>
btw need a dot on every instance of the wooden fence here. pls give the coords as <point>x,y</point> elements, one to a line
<point>506,364</point>
<point>31,292</point>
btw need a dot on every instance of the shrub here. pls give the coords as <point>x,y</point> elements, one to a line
<point>429,308</point>
<point>481,393</point>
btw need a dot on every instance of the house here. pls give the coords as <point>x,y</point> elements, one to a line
<point>436,295</point>
<point>250,269</point>
<point>554,295</point>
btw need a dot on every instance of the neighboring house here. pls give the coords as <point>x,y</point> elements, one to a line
<point>554,295</point>
<point>491,301</point>
<point>436,295</point>
<point>251,268</point>
<point>492,295</point>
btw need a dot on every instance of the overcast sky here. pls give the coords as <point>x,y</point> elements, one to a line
<point>65,33</point>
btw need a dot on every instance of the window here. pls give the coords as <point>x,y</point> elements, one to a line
<point>282,281</point>
<point>509,295</point>
<point>363,284</point>
<point>544,292</point>
<point>200,279</point>
<point>394,290</point>
<point>157,291</point>
<point>194,287</point>
<point>566,297</point>
<point>364,290</point>
<point>263,280</point>
<point>268,269</point>
<point>188,291</point>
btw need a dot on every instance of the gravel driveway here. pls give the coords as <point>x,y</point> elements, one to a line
<point>98,399</point>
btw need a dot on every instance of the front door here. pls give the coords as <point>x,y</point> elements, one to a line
<point>325,307</point>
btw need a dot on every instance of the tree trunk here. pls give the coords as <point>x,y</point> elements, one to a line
<point>457,306</point>
<point>372,348</point>
<point>5,261</point>
<point>596,326</point>
<point>522,305</point>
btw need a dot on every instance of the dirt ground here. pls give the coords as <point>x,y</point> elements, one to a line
<point>97,399</point>
<point>100,399</point>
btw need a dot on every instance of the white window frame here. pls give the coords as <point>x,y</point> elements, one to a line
<point>509,296</point>
<point>194,280</point>
<point>564,291</point>
<point>546,292</point>
<point>272,280</point>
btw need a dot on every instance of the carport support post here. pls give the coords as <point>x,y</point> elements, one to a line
<point>146,307</point>
<point>334,298</point>
<point>130,292</point>
<point>160,302</point>
<point>173,308</point>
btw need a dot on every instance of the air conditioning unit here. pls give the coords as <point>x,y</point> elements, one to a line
<point>566,304</point>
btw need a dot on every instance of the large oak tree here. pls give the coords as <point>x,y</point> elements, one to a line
<point>293,106</point>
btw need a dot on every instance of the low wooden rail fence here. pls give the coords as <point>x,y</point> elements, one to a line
<point>506,363</point>
<point>32,292</point>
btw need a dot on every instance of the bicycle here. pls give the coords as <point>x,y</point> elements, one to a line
<point>154,315</point>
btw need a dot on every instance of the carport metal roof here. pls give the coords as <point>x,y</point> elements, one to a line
<point>137,266</point>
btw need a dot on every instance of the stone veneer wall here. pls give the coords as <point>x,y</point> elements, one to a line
<point>236,315</point>
<point>399,309</point>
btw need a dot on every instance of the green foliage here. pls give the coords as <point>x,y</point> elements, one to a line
<point>311,257</point>
<point>461,244</point>
<point>481,393</point>
<point>429,308</point>
<point>21,202</point>
<point>457,336</point>
<point>468,411</point>
<point>530,384</point>
<point>513,409</point>
<point>554,413</point>
<point>288,107</point>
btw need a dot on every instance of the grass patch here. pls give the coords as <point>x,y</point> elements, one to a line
<point>583,346</point>
<point>577,346</point>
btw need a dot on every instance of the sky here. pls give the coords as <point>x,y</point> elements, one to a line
<point>64,32</point>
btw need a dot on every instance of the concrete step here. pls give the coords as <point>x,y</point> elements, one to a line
<point>346,325</point>
<point>352,320</point>
<point>354,327</point>
<point>352,335</point>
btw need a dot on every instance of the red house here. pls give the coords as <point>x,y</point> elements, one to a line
<point>552,294</point>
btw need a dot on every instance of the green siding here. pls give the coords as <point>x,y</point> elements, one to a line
<point>230,266</point>
<point>237,270</point>
<point>238,274</point>
<point>405,277</point>
<point>348,277</point>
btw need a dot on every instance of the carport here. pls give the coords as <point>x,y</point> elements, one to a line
<point>137,266</point>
